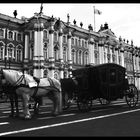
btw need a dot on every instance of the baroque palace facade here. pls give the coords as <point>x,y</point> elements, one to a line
<point>43,45</point>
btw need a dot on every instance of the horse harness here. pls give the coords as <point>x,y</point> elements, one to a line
<point>38,81</point>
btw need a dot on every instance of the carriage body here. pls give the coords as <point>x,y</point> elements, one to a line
<point>107,81</point>
<point>102,81</point>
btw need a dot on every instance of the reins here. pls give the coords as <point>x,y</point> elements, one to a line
<point>18,81</point>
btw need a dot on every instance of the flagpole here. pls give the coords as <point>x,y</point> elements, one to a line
<point>94,17</point>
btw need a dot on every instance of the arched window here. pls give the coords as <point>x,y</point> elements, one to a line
<point>19,53</point>
<point>73,56</point>
<point>10,35</point>
<point>10,51</point>
<point>86,58</point>
<point>80,57</point>
<point>19,37</point>
<point>83,43</point>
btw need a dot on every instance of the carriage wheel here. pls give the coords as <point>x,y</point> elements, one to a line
<point>104,101</point>
<point>131,96</point>
<point>84,105</point>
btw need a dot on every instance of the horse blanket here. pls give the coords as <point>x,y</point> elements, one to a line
<point>12,76</point>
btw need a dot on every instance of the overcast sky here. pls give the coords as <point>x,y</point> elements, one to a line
<point>123,18</point>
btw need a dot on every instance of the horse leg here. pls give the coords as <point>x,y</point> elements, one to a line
<point>37,104</point>
<point>16,104</point>
<point>12,105</point>
<point>56,97</point>
<point>26,112</point>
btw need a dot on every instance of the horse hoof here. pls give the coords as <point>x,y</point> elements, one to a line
<point>55,114</point>
<point>27,117</point>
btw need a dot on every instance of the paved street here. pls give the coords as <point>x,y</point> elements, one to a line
<point>117,119</point>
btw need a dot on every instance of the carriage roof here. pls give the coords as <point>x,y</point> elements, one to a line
<point>96,69</point>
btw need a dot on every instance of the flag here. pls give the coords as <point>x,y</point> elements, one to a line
<point>96,11</point>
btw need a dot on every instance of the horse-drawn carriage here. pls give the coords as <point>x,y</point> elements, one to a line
<point>104,81</point>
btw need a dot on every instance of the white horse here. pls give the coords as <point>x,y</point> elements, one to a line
<point>28,87</point>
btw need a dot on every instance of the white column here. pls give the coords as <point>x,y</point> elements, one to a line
<point>122,55</point>
<point>26,48</point>
<point>110,49</point>
<point>106,59</point>
<point>38,57</point>
<point>101,55</point>
<point>117,54</point>
<point>26,51</point>
<point>91,51</point>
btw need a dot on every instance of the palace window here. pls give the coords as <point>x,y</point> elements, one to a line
<point>19,53</point>
<point>73,56</point>
<point>83,43</point>
<point>1,33</point>
<point>86,58</point>
<point>1,50</point>
<point>80,57</point>
<point>56,51</point>
<point>10,35</point>
<point>19,37</point>
<point>10,51</point>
